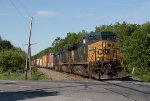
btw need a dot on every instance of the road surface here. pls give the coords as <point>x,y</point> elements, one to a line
<point>114,90</point>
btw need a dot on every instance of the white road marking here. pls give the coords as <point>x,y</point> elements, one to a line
<point>13,81</point>
<point>8,85</point>
<point>24,86</point>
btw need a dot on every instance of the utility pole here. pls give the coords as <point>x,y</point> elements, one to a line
<point>28,57</point>
<point>26,68</point>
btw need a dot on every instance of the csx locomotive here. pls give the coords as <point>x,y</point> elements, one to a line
<point>97,55</point>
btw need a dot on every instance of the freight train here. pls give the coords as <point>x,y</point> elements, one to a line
<point>96,56</point>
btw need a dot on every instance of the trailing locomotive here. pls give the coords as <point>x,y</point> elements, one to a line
<point>97,55</point>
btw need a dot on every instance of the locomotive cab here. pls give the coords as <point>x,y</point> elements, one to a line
<point>103,54</point>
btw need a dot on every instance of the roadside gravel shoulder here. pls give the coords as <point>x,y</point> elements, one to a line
<point>55,75</point>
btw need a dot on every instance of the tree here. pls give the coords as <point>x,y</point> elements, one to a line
<point>70,39</point>
<point>57,44</point>
<point>105,28</point>
<point>56,41</point>
<point>137,51</point>
<point>146,27</point>
<point>121,29</point>
<point>12,59</point>
<point>5,45</point>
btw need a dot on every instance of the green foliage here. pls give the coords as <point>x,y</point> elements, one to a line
<point>146,27</point>
<point>5,45</point>
<point>121,30</point>
<point>68,41</point>
<point>137,51</point>
<point>12,59</point>
<point>12,76</point>
<point>145,77</point>
<point>56,41</point>
<point>43,52</point>
<point>21,76</point>
<point>59,43</point>
<point>36,75</point>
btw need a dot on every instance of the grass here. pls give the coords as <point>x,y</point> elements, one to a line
<point>11,76</point>
<point>140,76</point>
<point>123,73</point>
<point>143,76</point>
<point>36,75</point>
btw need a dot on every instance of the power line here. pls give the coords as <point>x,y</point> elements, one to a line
<point>17,9</point>
<point>25,9</point>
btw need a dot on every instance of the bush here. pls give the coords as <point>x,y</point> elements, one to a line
<point>12,59</point>
<point>137,51</point>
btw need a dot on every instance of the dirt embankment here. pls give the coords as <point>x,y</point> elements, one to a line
<point>55,75</point>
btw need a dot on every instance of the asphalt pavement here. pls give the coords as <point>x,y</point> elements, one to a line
<point>110,90</point>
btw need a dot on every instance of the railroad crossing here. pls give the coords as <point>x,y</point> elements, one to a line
<point>114,90</point>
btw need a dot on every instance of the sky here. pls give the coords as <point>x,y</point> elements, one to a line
<point>55,18</point>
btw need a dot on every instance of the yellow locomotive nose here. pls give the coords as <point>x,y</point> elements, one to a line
<point>100,51</point>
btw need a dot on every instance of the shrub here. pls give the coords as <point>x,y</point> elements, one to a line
<point>12,59</point>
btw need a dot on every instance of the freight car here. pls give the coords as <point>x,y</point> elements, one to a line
<point>97,55</point>
<point>45,61</point>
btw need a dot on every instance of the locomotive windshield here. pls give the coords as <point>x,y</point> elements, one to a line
<point>109,37</point>
<point>97,36</point>
<point>94,37</point>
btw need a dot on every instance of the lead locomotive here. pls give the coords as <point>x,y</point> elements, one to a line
<point>97,55</point>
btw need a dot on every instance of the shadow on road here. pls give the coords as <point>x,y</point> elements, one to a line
<point>128,78</point>
<point>22,95</point>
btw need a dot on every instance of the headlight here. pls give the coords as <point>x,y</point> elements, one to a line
<point>98,59</point>
<point>114,58</point>
<point>104,44</point>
